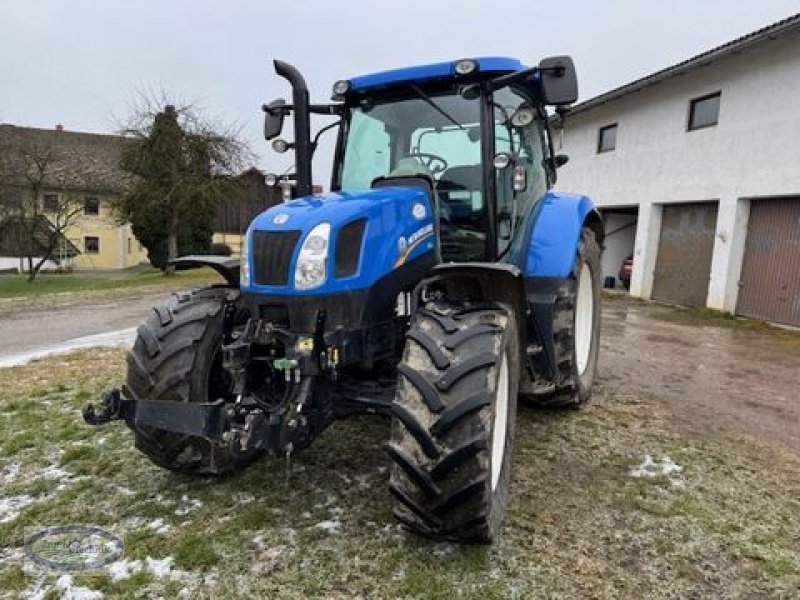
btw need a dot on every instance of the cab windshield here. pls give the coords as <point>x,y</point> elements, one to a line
<point>439,137</point>
<point>436,137</point>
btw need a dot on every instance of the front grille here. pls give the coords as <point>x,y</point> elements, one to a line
<point>348,248</point>
<point>272,256</point>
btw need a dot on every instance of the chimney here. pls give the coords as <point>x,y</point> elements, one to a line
<point>59,128</point>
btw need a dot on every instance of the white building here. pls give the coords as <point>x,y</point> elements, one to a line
<point>697,171</point>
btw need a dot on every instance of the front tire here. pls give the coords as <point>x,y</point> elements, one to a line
<point>454,420</point>
<point>177,358</point>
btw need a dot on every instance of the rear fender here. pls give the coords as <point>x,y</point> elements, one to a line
<point>555,233</point>
<point>224,265</point>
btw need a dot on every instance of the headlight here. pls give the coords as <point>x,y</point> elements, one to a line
<point>310,270</point>
<point>244,270</point>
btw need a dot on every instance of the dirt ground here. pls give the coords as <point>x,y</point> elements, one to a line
<point>710,377</point>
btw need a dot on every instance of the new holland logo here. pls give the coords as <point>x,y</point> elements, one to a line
<point>413,241</point>
<point>280,218</point>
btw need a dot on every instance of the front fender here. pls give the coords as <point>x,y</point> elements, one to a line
<point>556,232</point>
<point>226,266</point>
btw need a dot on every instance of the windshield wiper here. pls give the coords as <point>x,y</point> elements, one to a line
<point>435,106</point>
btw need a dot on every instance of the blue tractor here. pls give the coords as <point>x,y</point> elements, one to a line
<point>438,281</point>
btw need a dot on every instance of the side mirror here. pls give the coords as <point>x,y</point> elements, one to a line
<point>559,80</point>
<point>560,160</point>
<point>274,113</point>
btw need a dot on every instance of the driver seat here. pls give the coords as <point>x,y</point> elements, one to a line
<point>410,167</point>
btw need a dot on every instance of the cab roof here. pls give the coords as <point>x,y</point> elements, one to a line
<point>487,64</point>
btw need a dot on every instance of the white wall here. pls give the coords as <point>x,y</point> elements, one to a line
<point>14,262</point>
<point>619,244</point>
<point>754,151</point>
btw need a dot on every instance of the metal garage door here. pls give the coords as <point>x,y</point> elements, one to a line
<point>683,264</point>
<point>769,287</point>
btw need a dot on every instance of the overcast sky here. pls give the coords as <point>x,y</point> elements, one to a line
<point>80,62</point>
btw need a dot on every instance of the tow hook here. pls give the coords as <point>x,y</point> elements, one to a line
<point>112,408</point>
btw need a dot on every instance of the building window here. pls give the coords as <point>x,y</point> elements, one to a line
<point>50,203</point>
<point>130,245</point>
<point>91,244</point>
<point>607,138</point>
<point>91,205</point>
<point>704,111</point>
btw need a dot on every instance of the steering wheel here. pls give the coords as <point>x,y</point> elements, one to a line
<point>433,162</point>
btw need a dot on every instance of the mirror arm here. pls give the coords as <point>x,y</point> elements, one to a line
<point>326,109</point>
<point>505,80</point>
<point>317,109</point>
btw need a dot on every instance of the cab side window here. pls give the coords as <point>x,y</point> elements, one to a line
<point>525,146</point>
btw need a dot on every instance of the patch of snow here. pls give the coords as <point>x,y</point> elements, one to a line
<point>159,526</point>
<point>122,337</point>
<point>125,491</point>
<point>665,467</point>
<point>444,549</point>
<point>159,568</point>
<point>189,504</point>
<point>122,569</point>
<point>37,592</point>
<point>133,523</point>
<point>331,526</point>
<point>55,472</point>
<point>244,498</point>
<point>10,472</point>
<point>69,591</point>
<point>11,506</point>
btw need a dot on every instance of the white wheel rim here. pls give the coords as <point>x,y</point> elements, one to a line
<point>500,423</point>
<point>584,317</point>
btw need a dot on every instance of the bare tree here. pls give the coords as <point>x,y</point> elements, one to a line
<point>35,231</point>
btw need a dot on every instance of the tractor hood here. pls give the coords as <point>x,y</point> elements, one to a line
<point>372,233</point>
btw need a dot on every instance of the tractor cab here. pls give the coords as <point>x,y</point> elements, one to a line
<point>473,133</point>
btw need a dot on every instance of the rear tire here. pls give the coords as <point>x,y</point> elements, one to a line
<point>177,358</point>
<point>576,328</point>
<point>454,420</point>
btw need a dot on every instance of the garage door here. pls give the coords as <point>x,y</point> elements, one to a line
<point>683,264</point>
<point>770,280</point>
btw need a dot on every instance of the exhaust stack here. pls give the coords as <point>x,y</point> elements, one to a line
<point>302,125</point>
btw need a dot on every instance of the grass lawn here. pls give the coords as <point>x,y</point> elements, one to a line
<point>581,523</point>
<point>18,288</point>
